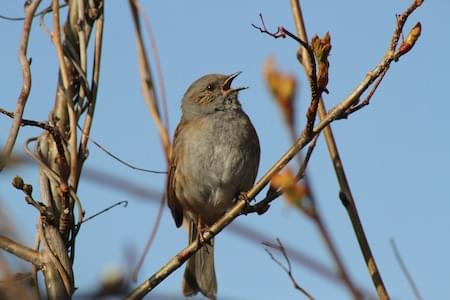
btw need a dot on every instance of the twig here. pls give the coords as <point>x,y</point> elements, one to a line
<point>123,203</point>
<point>26,85</point>
<point>404,269</point>
<point>150,96</point>
<point>162,205</point>
<point>51,174</point>
<point>377,74</point>
<point>262,206</point>
<point>157,63</point>
<point>93,88</point>
<point>42,12</point>
<point>287,269</point>
<point>312,76</point>
<point>66,79</point>
<point>368,98</point>
<point>43,125</point>
<point>118,158</point>
<point>147,84</point>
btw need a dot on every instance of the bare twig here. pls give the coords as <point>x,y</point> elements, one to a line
<point>123,203</point>
<point>52,175</point>
<point>346,194</point>
<point>118,158</point>
<point>263,205</point>
<point>287,269</point>
<point>93,88</point>
<point>404,269</point>
<point>41,13</point>
<point>150,96</point>
<point>147,83</point>
<point>26,86</point>
<point>312,76</point>
<point>157,60</point>
<point>162,205</point>
<point>368,98</point>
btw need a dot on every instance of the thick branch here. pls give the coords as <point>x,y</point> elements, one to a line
<point>20,251</point>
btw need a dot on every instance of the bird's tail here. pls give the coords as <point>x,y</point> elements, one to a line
<point>200,275</point>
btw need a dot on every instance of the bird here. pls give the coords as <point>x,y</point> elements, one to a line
<point>215,157</point>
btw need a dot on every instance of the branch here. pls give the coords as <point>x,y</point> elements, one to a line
<point>262,206</point>
<point>287,269</point>
<point>109,153</point>
<point>26,85</point>
<point>379,73</point>
<point>20,251</point>
<point>41,13</point>
<point>147,83</point>
<point>82,150</point>
<point>311,72</point>
<point>404,269</point>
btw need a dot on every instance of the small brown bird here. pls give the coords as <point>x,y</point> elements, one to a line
<point>215,157</point>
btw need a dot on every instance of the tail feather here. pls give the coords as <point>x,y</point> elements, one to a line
<point>200,275</point>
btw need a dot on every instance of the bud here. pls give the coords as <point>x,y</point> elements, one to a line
<point>18,182</point>
<point>410,40</point>
<point>321,48</point>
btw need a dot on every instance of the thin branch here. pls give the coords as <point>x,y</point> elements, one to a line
<point>262,206</point>
<point>118,158</point>
<point>404,269</point>
<point>301,29</point>
<point>368,98</point>
<point>311,72</point>
<point>123,203</point>
<point>20,251</point>
<point>43,125</point>
<point>154,231</point>
<point>93,88</point>
<point>377,74</point>
<point>51,174</point>
<point>41,13</point>
<point>157,60</point>
<point>67,90</point>
<point>26,85</point>
<point>287,269</point>
<point>147,83</point>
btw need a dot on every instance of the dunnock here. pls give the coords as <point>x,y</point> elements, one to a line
<point>215,157</point>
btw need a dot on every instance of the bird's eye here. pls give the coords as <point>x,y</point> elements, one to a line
<point>209,87</point>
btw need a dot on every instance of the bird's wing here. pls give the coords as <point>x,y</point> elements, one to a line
<point>172,200</point>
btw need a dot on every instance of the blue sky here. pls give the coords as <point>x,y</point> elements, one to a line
<point>396,151</point>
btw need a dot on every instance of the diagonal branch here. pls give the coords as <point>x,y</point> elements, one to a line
<point>404,269</point>
<point>345,193</point>
<point>288,269</point>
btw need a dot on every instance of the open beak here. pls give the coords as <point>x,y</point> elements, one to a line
<point>226,87</point>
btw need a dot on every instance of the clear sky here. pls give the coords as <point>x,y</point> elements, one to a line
<point>396,151</point>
